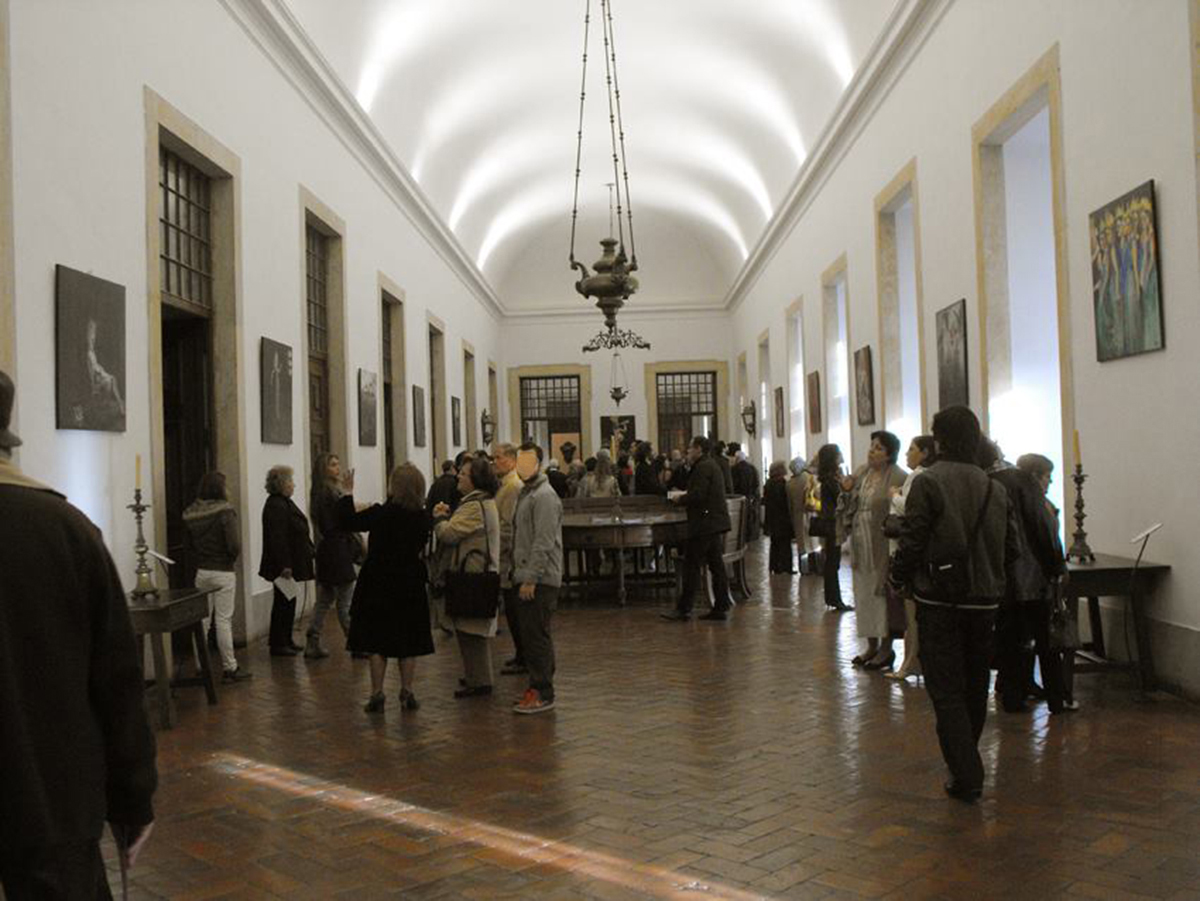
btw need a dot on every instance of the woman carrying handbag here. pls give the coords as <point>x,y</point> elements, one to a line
<point>470,543</point>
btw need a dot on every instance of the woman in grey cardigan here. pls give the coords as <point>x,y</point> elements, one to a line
<point>475,526</point>
<point>871,497</point>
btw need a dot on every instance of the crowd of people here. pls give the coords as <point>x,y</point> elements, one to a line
<point>959,555</point>
<point>963,566</point>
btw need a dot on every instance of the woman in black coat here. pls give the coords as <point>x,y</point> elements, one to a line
<point>829,477</point>
<point>777,519</point>
<point>337,552</point>
<point>390,613</point>
<point>287,552</point>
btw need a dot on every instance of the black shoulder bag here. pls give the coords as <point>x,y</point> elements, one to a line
<point>474,595</point>
<point>950,575</point>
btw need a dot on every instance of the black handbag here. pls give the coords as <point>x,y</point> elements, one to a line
<point>474,595</point>
<point>893,525</point>
<point>820,526</point>
<point>950,575</point>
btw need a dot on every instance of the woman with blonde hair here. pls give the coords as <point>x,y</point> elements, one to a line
<point>601,482</point>
<point>390,613</point>
<point>337,552</point>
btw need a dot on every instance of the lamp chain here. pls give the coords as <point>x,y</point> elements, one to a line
<point>610,61</point>
<point>587,18</point>
<point>612,42</point>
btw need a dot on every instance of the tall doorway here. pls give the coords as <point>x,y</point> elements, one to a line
<point>188,433</point>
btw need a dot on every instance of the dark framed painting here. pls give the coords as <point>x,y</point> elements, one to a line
<point>624,427</point>
<point>864,386</point>
<point>275,391</point>
<point>780,415</point>
<point>456,421</point>
<point>1126,291</point>
<point>368,394</point>
<point>953,386</point>
<point>418,416</point>
<point>89,352</point>
<point>813,385</point>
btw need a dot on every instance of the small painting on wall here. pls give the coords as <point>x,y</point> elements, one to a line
<point>780,414</point>
<point>418,416</point>
<point>89,344</point>
<point>368,392</point>
<point>953,387</point>
<point>456,421</point>
<point>624,427</point>
<point>275,391</point>
<point>1126,291</point>
<point>813,384</point>
<point>864,386</point>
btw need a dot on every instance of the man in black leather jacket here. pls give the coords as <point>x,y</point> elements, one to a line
<point>952,518</point>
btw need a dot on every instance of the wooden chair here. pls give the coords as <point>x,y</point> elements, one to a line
<point>734,553</point>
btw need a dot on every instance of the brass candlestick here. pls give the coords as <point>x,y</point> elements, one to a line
<point>1079,547</point>
<point>145,572</point>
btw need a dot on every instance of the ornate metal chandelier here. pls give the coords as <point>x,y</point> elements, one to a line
<point>612,281</point>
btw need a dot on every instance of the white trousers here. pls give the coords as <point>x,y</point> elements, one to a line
<point>226,587</point>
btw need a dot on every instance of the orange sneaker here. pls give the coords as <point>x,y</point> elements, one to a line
<point>533,702</point>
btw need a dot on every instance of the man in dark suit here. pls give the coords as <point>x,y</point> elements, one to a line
<point>444,489</point>
<point>74,742</point>
<point>708,521</point>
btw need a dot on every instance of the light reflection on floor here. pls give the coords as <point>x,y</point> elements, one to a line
<point>644,878</point>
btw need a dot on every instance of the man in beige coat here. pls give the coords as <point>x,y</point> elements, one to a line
<point>506,505</point>
<point>797,495</point>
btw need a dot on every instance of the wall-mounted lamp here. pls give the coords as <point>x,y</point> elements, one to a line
<point>749,418</point>
<point>487,427</point>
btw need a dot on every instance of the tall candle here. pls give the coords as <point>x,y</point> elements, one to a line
<point>137,470</point>
<point>1078,457</point>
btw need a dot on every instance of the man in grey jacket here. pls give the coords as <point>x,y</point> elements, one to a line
<point>537,570</point>
<point>957,541</point>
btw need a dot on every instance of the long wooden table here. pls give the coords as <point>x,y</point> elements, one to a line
<point>156,618</point>
<point>1111,576</point>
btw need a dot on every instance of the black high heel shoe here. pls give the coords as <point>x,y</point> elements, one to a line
<point>375,703</point>
<point>408,701</point>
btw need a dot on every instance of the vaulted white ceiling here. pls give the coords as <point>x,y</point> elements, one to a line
<point>480,99</point>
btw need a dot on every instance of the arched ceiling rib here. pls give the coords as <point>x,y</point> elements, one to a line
<point>480,100</point>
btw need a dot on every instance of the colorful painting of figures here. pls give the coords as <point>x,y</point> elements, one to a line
<point>1126,289</point>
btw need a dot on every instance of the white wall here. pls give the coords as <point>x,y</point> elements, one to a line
<point>540,341</point>
<point>1122,125</point>
<point>80,186</point>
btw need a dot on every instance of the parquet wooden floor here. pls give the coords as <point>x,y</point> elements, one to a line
<point>704,760</point>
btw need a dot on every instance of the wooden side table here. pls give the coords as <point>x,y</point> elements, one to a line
<point>1110,576</point>
<point>156,618</point>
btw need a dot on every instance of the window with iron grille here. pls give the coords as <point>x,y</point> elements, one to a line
<point>687,406</point>
<point>550,406</point>
<point>185,231</point>
<point>317,291</point>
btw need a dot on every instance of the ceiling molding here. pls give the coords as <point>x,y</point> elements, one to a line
<point>275,30</point>
<point>908,27</point>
